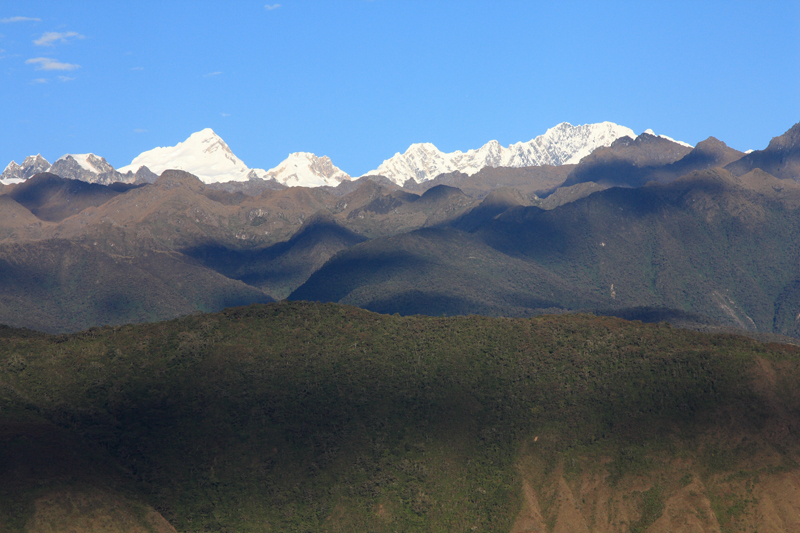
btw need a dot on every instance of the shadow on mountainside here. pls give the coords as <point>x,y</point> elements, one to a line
<point>282,267</point>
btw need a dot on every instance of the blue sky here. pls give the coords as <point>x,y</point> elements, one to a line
<point>359,80</point>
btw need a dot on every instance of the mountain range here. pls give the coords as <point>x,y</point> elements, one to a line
<point>642,227</point>
<point>505,349</point>
<point>560,145</point>
<point>207,156</point>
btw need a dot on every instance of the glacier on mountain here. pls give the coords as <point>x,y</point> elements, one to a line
<point>208,157</point>
<point>560,145</point>
<point>304,169</point>
<point>203,154</point>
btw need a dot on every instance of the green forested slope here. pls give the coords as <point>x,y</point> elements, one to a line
<point>320,417</point>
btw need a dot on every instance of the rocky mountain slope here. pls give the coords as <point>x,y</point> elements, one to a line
<point>15,173</point>
<point>77,254</point>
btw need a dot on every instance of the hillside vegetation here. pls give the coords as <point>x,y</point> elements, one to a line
<point>322,417</point>
<point>709,244</point>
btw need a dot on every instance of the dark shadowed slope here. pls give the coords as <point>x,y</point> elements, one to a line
<point>627,162</point>
<point>781,158</point>
<point>528,180</point>
<point>58,285</point>
<point>306,417</point>
<point>53,198</point>
<point>707,154</point>
<point>707,244</point>
<point>699,244</point>
<point>434,272</point>
<point>282,267</point>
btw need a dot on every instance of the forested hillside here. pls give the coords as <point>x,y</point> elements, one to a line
<point>321,417</point>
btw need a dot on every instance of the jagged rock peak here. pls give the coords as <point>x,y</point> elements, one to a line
<point>88,162</point>
<point>89,168</point>
<point>32,165</point>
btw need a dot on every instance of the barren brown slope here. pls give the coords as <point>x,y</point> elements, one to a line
<point>53,198</point>
<point>179,211</point>
<point>17,222</point>
<point>787,191</point>
<point>173,212</point>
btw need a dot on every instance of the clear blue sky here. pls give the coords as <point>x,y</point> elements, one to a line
<point>359,80</point>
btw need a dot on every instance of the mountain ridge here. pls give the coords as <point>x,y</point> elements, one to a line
<point>206,155</point>
<point>561,144</point>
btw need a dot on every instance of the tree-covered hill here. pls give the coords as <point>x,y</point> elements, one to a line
<point>322,417</point>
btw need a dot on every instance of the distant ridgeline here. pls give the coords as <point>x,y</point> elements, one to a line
<point>641,227</point>
<point>323,417</point>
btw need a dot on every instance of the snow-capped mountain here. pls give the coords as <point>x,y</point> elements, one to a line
<point>562,144</point>
<point>15,173</point>
<point>208,157</point>
<point>303,169</point>
<point>203,154</point>
<point>84,167</point>
<point>89,168</point>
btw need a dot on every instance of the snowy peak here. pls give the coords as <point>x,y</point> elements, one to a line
<point>87,167</point>
<point>208,157</point>
<point>203,154</point>
<point>15,173</point>
<point>566,144</point>
<point>560,145</point>
<point>304,169</point>
<point>88,162</point>
<point>212,145</point>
